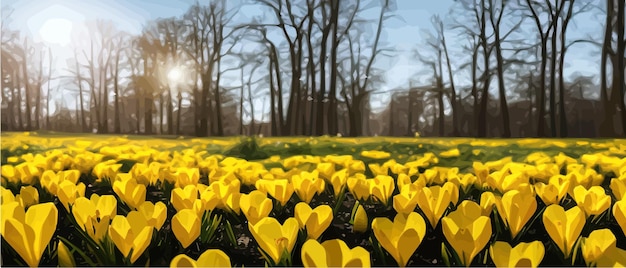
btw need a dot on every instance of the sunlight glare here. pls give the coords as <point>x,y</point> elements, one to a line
<point>174,75</point>
<point>56,31</point>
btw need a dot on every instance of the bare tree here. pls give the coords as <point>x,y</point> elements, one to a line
<point>438,23</point>
<point>295,43</point>
<point>360,76</point>
<point>435,63</point>
<point>496,11</point>
<point>566,18</point>
<point>543,36</point>
<point>208,33</point>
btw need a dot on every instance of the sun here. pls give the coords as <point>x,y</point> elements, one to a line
<point>56,31</point>
<point>175,75</point>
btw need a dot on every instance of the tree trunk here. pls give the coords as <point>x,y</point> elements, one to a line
<point>252,124</point>
<point>179,112</point>
<point>26,88</point>
<point>544,60</point>
<point>311,77</point>
<point>504,108</point>
<point>170,112</point>
<point>453,98</point>
<point>273,127</point>
<point>49,92</point>
<point>218,100</point>
<point>241,104</point>
<point>619,86</point>
<point>148,106</point>
<point>105,101</point>
<point>204,102</point>
<point>197,117</point>
<point>553,59</point>
<point>606,125</point>
<point>319,121</point>
<point>38,95</point>
<point>409,114</point>
<point>138,103</point>
<point>11,104</point>
<point>531,87</point>
<point>148,101</point>
<point>279,96</point>
<point>484,98</point>
<point>562,114</point>
<point>542,91</point>
<point>161,113</point>
<point>442,115</point>
<point>116,105</point>
<point>332,118</point>
<point>475,105</point>
<point>354,111</point>
<point>392,115</point>
<point>17,88</point>
<point>502,90</point>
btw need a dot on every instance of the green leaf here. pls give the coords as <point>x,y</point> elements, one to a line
<point>230,233</point>
<point>74,248</point>
<point>445,255</point>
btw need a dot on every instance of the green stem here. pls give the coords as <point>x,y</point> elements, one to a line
<point>342,197</point>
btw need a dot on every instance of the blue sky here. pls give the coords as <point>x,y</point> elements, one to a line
<point>404,32</point>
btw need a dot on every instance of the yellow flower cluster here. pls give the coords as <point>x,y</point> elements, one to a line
<point>566,194</point>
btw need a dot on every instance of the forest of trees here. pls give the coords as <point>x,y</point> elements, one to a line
<point>311,65</point>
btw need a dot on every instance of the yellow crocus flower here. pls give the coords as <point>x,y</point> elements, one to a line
<point>6,195</point>
<point>130,192</point>
<point>518,207</point>
<point>183,198</point>
<point>522,255</point>
<point>338,181</point>
<point>279,189</point>
<point>255,206</point>
<point>564,227</point>
<point>186,226</point>
<point>273,238</point>
<point>93,215</point>
<point>401,237</point>
<point>68,192</point>
<point>333,253</point>
<point>314,221</point>
<point>29,233</point>
<point>406,201</point>
<point>65,256</point>
<point>381,188</point>
<point>619,212</point>
<point>359,219</point>
<point>209,258</point>
<point>306,185</point>
<point>618,187</point>
<point>28,196</point>
<point>597,245</point>
<point>154,213</point>
<point>131,233</point>
<point>467,231</point>
<point>375,154</point>
<point>593,201</point>
<point>434,201</point>
<point>358,186</point>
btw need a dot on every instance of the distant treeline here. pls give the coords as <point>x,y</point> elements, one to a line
<point>311,66</point>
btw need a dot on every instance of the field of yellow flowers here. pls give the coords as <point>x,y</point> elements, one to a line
<point>87,200</point>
